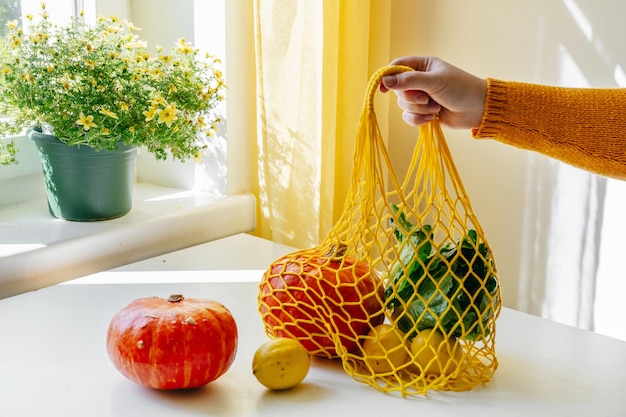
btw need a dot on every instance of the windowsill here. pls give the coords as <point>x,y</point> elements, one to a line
<point>37,250</point>
<point>28,225</point>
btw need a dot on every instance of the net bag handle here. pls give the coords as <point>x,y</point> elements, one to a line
<point>431,129</point>
<point>368,120</point>
<point>376,79</point>
<point>371,158</point>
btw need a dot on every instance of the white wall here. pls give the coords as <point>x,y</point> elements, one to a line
<point>560,42</point>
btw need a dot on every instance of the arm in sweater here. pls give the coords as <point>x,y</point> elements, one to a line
<point>582,127</point>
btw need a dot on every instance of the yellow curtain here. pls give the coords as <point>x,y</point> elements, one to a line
<point>313,61</point>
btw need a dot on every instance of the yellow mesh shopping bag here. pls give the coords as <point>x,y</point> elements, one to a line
<point>404,289</point>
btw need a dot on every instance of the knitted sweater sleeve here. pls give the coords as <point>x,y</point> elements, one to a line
<point>584,127</point>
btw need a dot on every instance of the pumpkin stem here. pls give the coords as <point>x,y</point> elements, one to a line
<point>337,251</point>
<point>175,298</point>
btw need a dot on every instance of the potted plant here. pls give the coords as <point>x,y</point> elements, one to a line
<point>97,90</point>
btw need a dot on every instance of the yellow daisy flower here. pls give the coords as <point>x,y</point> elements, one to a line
<point>156,72</point>
<point>108,113</point>
<point>131,26</point>
<point>157,101</point>
<point>86,122</point>
<point>167,115</point>
<point>135,45</point>
<point>183,47</point>
<point>150,113</point>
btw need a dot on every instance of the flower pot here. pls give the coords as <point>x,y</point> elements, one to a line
<point>83,184</point>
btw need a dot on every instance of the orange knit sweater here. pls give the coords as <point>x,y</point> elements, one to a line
<point>584,127</point>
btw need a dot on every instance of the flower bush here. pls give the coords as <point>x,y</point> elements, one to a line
<point>97,85</point>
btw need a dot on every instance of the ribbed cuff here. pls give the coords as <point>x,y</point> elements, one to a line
<point>495,107</point>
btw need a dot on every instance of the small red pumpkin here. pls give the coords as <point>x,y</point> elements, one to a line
<point>306,297</point>
<point>172,343</point>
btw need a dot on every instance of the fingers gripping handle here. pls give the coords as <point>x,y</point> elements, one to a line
<point>376,79</point>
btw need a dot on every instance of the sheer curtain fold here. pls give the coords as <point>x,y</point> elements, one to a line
<point>288,90</point>
<point>561,242</point>
<point>314,59</point>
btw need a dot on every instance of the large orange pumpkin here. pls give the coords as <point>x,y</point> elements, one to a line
<point>310,298</point>
<point>172,343</point>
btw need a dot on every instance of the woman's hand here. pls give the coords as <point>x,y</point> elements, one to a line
<point>436,87</point>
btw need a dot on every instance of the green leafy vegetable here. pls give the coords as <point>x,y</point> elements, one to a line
<point>452,287</point>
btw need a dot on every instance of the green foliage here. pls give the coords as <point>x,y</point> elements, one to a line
<point>96,85</point>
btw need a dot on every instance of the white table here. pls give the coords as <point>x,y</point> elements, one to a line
<point>53,360</point>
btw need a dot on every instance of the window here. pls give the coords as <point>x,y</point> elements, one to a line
<point>60,11</point>
<point>9,10</point>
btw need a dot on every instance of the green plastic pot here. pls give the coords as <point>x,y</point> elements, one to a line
<point>83,184</point>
